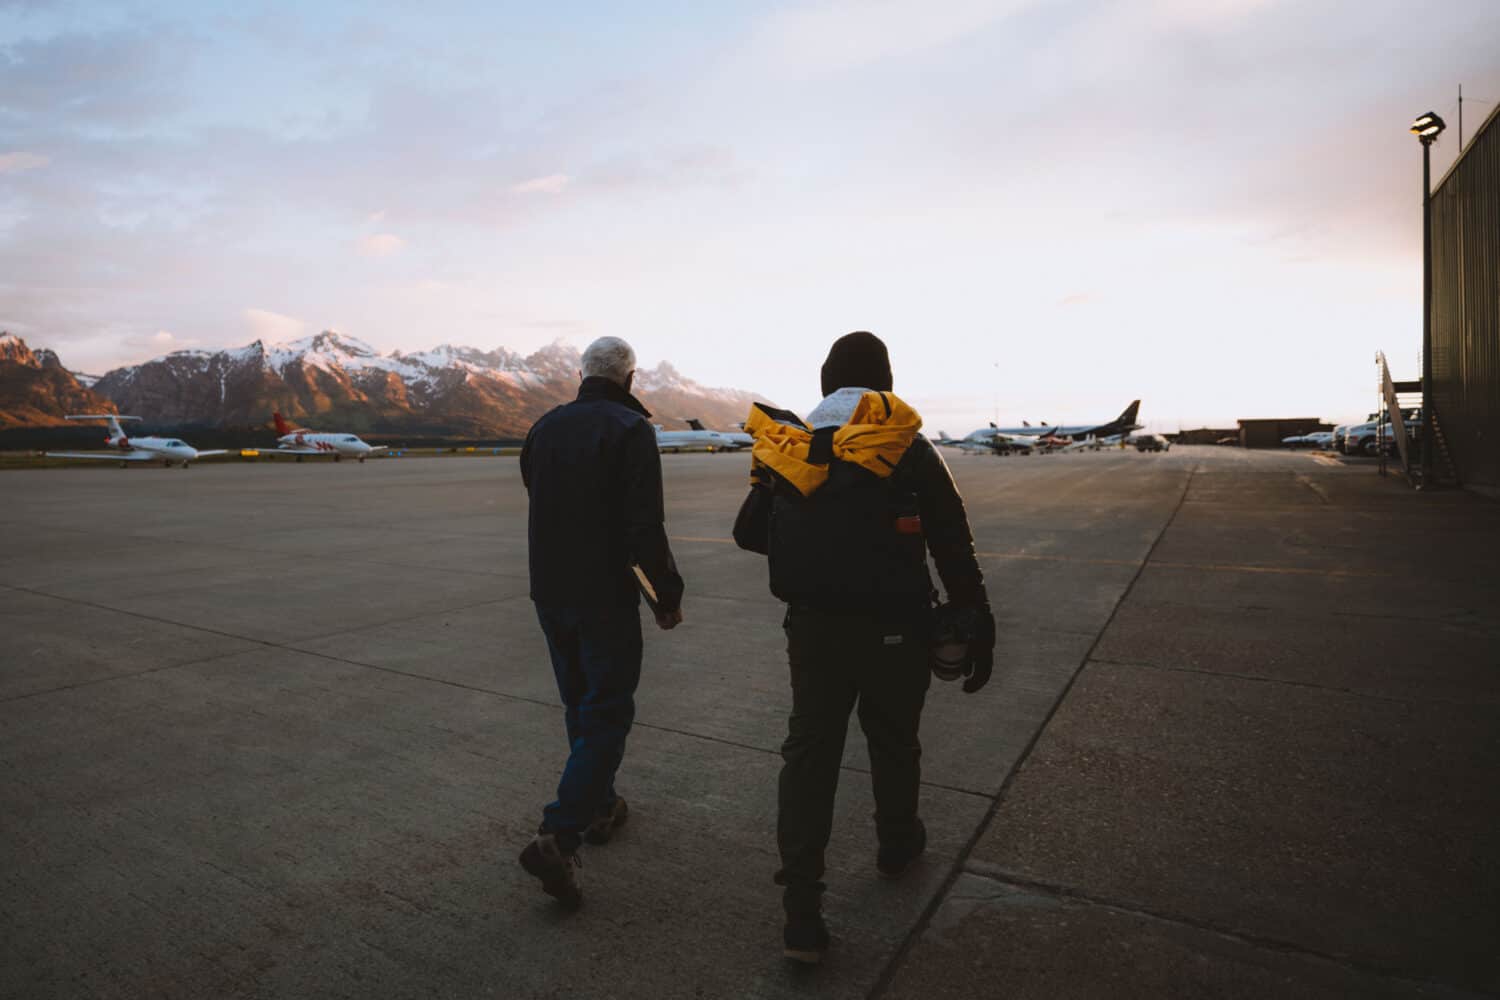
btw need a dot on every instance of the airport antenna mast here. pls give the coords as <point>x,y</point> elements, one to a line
<point>1461,115</point>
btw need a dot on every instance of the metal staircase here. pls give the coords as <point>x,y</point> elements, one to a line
<point>1399,401</point>
<point>1444,472</point>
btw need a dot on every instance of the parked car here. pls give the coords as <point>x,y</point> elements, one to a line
<point>1360,439</point>
<point>1151,442</point>
<point>1317,439</point>
<point>1413,436</point>
<point>1337,441</point>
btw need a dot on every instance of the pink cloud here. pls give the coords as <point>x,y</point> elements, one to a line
<point>550,184</point>
<point>14,163</point>
<point>381,245</point>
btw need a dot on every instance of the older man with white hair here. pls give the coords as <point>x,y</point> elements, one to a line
<point>597,541</point>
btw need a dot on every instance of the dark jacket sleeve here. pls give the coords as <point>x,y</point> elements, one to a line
<point>526,459</point>
<point>646,515</point>
<point>945,523</point>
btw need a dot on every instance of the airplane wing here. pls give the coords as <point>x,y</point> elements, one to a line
<point>112,456</point>
<point>266,452</point>
<point>216,451</point>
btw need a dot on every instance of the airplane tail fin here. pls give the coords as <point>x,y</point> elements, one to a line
<point>282,430</point>
<point>115,430</point>
<point>1128,417</point>
<point>696,424</point>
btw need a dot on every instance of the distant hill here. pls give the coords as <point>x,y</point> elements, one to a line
<point>37,391</point>
<point>336,381</point>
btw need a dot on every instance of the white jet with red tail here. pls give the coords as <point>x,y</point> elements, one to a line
<point>125,449</point>
<point>301,442</point>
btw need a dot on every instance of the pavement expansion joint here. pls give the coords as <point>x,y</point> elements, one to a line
<point>291,556</point>
<point>888,973</point>
<point>293,647</point>
<point>267,643</point>
<point>1067,894</point>
<point>23,696</point>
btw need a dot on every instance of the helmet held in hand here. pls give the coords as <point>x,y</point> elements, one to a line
<point>952,638</point>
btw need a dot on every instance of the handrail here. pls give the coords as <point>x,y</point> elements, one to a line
<point>1398,424</point>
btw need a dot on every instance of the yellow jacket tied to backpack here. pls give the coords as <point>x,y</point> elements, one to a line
<point>877,434</point>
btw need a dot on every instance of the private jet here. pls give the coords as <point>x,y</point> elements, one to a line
<point>124,449</point>
<point>299,442</point>
<point>701,438</point>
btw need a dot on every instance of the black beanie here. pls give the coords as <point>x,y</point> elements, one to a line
<point>858,359</point>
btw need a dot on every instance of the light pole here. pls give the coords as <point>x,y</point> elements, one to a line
<point>1427,128</point>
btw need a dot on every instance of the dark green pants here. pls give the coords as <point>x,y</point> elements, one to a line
<point>838,661</point>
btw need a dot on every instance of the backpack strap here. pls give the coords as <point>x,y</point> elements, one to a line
<point>820,449</point>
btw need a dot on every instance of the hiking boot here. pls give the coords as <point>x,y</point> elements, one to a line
<point>893,862</point>
<point>805,938</point>
<point>557,870</point>
<point>601,829</point>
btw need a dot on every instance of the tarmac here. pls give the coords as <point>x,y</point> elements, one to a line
<point>280,731</point>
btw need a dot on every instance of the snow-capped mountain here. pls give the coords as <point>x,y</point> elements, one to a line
<point>36,390</point>
<point>338,381</point>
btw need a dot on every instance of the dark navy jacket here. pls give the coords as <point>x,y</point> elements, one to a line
<point>594,474</point>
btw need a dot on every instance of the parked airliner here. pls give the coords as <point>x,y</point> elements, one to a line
<point>141,449</point>
<point>300,442</point>
<point>1046,438</point>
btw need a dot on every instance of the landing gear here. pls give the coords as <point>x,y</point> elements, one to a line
<point>361,460</point>
<point>124,465</point>
<point>337,457</point>
<point>299,458</point>
<point>166,463</point>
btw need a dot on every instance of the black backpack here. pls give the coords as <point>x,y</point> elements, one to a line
<point>855,545</point>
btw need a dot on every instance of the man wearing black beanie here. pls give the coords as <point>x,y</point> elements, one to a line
<point>847,504</point>
<point>857,359</point>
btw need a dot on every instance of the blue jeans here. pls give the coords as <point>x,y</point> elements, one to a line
<point>596,655</point>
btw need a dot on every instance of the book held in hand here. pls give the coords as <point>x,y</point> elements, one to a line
<point>647,591</point>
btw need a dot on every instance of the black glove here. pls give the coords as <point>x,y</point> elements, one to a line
<point>981,651</point>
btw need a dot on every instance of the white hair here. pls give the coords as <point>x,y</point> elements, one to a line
<point>609,357</point>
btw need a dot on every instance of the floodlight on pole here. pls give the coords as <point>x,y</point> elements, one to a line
<point>1427,128</point>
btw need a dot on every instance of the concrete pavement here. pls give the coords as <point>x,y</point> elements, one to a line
<point>279,731</point>
<point>1275,773</point>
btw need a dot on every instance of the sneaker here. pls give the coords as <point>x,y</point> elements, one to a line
<point>893,862</point>
<point>601,829</point>
<point>805,938</point>
<point>557,870</point>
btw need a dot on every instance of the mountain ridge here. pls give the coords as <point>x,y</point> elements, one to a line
<point>37,391</point>
<point>339,381</point>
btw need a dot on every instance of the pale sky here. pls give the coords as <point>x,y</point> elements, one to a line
<point>1046,209</point>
